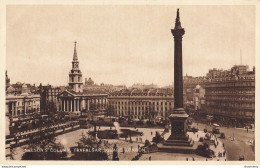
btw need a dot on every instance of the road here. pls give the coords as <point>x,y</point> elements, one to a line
<point>240,146</point>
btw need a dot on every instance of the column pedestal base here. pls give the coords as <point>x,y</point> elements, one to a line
<point>179,141</point>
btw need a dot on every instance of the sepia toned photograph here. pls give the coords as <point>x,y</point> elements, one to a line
<point>130,82</point>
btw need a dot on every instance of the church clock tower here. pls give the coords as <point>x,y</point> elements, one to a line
<point>75,75</point>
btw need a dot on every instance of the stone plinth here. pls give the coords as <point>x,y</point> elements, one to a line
<point>179,141</point>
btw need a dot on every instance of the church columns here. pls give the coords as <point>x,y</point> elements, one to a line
<point>68,105</point>
<point>63,105</point>
<point>78,105</point>
<point>88,104</point>
<point>71,105</point>
<point>83,104</point>
<point>74,105</point>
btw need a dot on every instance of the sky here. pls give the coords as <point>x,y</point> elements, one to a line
<point>124,44</point>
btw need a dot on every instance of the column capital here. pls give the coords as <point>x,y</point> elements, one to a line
<point>178,33</point>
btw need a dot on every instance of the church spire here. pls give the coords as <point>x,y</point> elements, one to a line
<point>75,56</point>
<point>177,21</point>
<point>75,75</point>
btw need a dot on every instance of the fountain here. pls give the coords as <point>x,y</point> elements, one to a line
<point>115,134</point>
<point>117,126</point>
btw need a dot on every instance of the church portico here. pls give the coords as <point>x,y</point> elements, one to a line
<point>74,103</point>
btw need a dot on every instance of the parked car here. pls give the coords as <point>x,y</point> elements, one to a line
<point>201,139</point>
<point>203,151</point>
<point>194,129</point>
<point>222,135</point>
<point>216,131</point>
<point>241,158</point>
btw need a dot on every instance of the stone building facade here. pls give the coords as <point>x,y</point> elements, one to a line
<point>149,104</point>
<point>22,104</point>
<point>193,91</point>
<point>230,95</point>
<point>49,97</point>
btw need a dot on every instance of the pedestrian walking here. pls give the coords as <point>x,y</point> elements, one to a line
<point>223,145</point>
<point>150,158</point>
<point>187,159</point>
<point>123,150</point>
<point>136,139</point>
<point>151,132</point>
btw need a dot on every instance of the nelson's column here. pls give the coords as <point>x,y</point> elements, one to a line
<point>178,141</point>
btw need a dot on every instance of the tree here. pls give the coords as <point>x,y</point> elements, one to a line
<point>96,149</point>
<point>43,146</point>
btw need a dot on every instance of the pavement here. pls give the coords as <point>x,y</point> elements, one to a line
<point>238,141</point>
<point>183,157</point>
<point>127,150</point>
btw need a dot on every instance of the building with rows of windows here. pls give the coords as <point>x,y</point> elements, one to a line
<point>22,104</point>
<point>149,104</point>
<point>230,95</point>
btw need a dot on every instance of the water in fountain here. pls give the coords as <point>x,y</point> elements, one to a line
<point>117,126</point>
